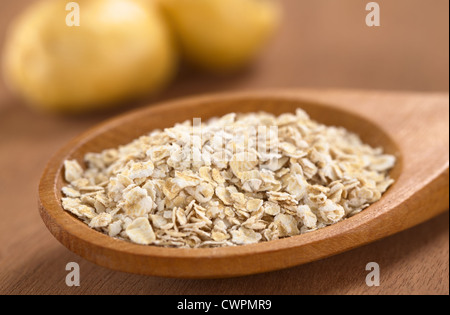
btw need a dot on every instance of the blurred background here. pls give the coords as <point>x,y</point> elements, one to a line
<point>326,43</point>
<point>318,44</point>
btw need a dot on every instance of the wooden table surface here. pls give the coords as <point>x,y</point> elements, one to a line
<point>322,44</point>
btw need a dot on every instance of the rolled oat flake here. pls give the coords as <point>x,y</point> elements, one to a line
<point>235,180</point>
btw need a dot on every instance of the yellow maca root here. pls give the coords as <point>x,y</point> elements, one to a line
<point>222,35</point>
<point>121,50</point>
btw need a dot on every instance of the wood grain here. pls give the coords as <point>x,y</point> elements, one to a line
<point>33,262</point>
<point>321,43</point>
<point>420,191</point>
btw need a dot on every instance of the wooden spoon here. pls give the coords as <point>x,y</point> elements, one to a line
<point>414,127</point>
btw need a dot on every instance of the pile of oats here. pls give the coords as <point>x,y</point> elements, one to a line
<point>239,179</point>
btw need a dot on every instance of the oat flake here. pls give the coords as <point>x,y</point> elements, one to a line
<point>212,186</point>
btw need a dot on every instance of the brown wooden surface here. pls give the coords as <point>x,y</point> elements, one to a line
<point>323,43</point>
<point>420,191</point>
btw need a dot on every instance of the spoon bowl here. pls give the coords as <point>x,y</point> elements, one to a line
<point>420,191</point>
